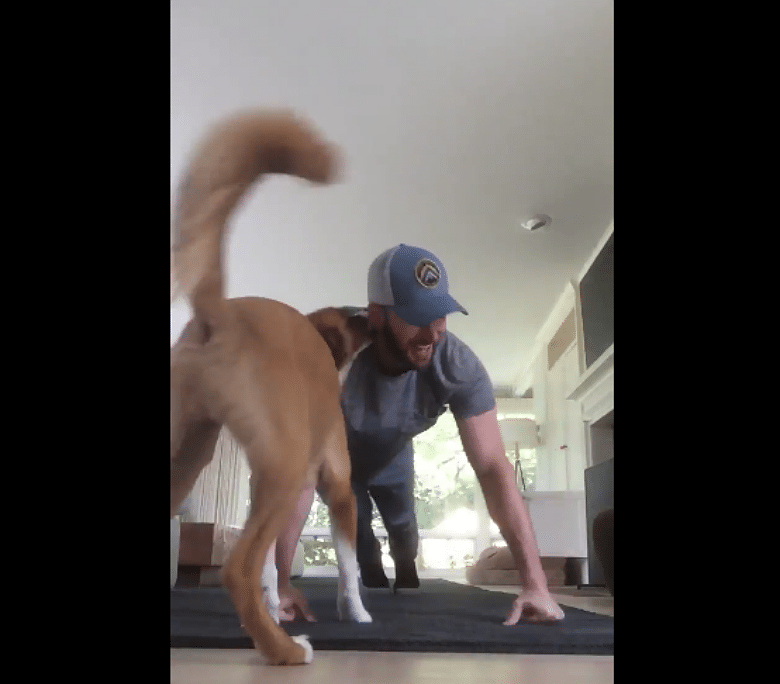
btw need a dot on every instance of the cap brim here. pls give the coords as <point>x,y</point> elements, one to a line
<point>422,316</point>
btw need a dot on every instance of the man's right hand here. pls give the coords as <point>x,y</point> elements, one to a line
<point>293,605</point>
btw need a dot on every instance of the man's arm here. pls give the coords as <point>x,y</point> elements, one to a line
<point>484,448</point>
<point>293,604</point>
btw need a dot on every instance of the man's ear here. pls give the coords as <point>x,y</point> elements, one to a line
<point>376,316</point>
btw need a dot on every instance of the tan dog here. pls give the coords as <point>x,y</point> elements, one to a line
<point>263,370</point>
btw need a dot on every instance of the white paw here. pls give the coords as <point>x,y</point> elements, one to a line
<point>303,640</point>
<point>352,609</point>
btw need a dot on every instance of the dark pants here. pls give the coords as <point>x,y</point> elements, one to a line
<point>392,490</point>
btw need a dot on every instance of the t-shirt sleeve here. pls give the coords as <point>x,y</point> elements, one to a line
<point>471,387</point>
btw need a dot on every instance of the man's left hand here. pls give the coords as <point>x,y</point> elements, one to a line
<point>534,606</point>
<point>293,605</point>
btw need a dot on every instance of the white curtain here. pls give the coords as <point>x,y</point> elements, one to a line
<point>221,491</point>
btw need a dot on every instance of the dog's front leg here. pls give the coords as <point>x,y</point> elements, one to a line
<point>350,603</point>
<point>335,489</point>
<point>270,584</point>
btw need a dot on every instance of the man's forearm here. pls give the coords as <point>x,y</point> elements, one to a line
<point>291,533</point>
<point>508,510</point>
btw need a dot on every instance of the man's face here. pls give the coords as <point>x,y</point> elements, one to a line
<point>410,345</point>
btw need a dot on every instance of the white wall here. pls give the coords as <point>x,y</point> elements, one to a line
<point>515,406</point>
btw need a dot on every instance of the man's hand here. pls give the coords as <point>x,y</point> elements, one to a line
<point>534,606</point>
<point>293,605</point>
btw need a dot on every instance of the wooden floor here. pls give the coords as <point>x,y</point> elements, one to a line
<point>202,666</point>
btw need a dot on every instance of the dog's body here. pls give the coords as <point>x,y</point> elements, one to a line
<point>261,369</point>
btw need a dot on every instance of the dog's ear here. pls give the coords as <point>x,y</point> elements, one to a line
<point>359,331</point>
<point>345,330</point>
<point>335,340</point>
<point>326,321</point>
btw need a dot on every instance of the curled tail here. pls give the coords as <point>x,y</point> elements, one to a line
<point>230,158</point>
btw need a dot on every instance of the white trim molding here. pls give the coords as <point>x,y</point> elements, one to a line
<point>596,387</point>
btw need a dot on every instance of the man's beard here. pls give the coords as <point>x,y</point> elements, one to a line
<point>392,348</point>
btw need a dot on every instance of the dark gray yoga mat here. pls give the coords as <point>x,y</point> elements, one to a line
<point>440,617</point>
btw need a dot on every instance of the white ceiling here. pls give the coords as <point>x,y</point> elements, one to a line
<point>458,120</point>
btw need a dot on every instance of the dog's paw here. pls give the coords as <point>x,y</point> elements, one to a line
<point>303,641</point>
<point>352,610</point>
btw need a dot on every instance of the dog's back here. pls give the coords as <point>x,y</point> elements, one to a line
<point>270,362</point>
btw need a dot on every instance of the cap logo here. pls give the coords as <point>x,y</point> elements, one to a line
<point>427,273</point>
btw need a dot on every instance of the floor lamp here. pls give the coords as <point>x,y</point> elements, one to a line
<point>519,433</point>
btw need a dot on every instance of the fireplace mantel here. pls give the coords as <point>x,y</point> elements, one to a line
<point>595,389</point>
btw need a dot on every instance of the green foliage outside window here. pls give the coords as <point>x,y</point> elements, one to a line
<point>444,483</point>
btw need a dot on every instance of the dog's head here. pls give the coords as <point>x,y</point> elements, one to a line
<point>345,330</point>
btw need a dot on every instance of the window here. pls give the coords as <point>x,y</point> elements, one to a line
<point>448,504</point>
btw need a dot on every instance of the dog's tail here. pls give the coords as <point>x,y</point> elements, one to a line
<point>230,158</point>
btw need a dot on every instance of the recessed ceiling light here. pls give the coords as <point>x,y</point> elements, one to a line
<point>536,222</point>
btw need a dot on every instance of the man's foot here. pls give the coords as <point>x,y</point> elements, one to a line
<point>406,576</point>
<point>373,577</point>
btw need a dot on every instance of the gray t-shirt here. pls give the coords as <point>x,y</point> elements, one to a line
<point>383,413</point>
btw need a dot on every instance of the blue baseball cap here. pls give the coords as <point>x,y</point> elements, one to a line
<point>413,283</point>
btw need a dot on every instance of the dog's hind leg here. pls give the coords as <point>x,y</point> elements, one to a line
<point>269,577</point>
<point>336,491</point>
<point>273,503</point>
<point>190,453</point>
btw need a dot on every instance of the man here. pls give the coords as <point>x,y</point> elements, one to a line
<point>397,387</point>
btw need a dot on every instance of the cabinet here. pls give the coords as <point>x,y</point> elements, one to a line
<point>564,448</point>
<point>559,520</point>
<point>561,455</point>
